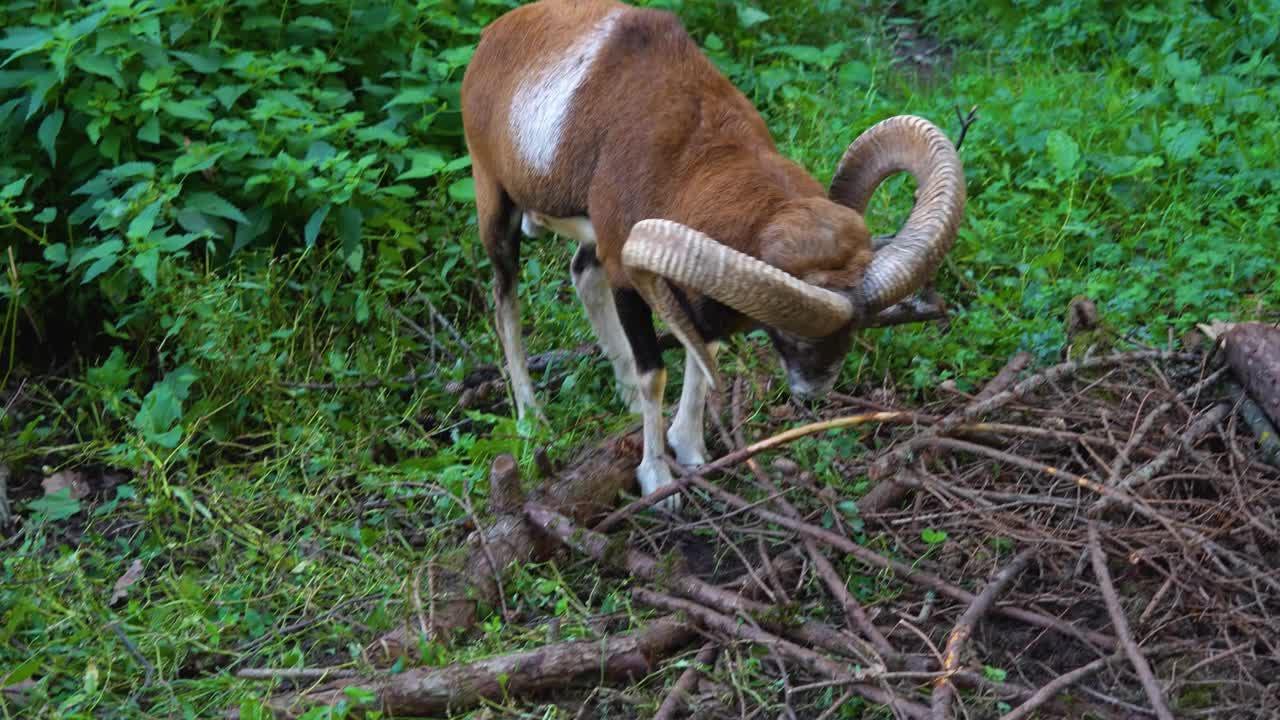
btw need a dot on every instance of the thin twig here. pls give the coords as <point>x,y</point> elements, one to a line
<point>1143,475</point>
<point>943,688</point>
<point>883,465</point>
<point>1141,432</point>
<point>448,326</point>
<point>743,454</point>
<point>1051,689</point>
<point>645,567</point>
<point>148,669</point>
<point>307,674</point>
<point>1149,683</point>
<point>675,700</point>
<point>811,660</point>
<point>966,121</point>
<point>906,572</point>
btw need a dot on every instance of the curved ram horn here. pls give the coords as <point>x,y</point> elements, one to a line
<point>911,144</point>
<point>662,249</point>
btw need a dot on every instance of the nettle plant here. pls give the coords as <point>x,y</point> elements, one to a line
<point>137,134</point>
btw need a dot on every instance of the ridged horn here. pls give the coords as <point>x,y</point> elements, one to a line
<point>911,144</point>
<point>662,249</point>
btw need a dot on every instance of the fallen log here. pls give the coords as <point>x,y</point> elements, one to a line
<point>1253,351</point>
<point>469,578</point>
<point>438,691</point>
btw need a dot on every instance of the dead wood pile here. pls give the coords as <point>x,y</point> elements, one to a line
<point>1100,538</point>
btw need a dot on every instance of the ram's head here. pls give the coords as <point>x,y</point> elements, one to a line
<point>812,324</point>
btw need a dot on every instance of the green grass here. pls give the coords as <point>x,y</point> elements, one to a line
<point>1127,155</point>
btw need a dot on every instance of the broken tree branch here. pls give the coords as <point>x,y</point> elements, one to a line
<point>906,572</point>
<point>1057,685</point>
<point>816,663</point>
<point>465,578</point>
<point>645,567</point>
<point>676,698</point>
<point>435,691</point>
<point>1253,351</point>
<point>884,465</point>
<point>890,490</point>
<point>1149,683</point>
<point>943,687</point>
<point>1207,421</point>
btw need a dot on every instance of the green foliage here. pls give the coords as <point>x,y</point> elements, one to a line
<point>168,133</point>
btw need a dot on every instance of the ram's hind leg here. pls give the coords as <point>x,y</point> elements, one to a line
<point>499,223</point>
<point>597,298</point>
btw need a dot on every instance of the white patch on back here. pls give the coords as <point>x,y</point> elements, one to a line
<point>540,106</point>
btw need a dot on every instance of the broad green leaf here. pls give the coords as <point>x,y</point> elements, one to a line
<point>320,151</point>
<point>144,222</point>
<point>150,130</point>
<point>113,374</point>
<point>99,64</point>
<point>1183,141</point>
<point>159,418</point>
<point>378,133</point>
<point>212,204</point>
<point>174,243</point>
<point>259,223</point>
<point>189,110</point>
<point>56,254</point>
<point>27,668</point>
<point>423,163</point>
<point>100,266</point>
<point>48,134</point>
<point>146,264</point>
<point>803,53</point>
<point>463,190</point>
<point>14,189</point>
<point>101,250</point>
<point>933,536</point>
<point>39,89</point>
<point>135,169</point>
<point>749,16</point>
<point>203,64</point>
<point>1064,153</point>
<point>413,96</point>
<point>312,230</point>
<point>350,231</point>
<point>46,216</point>
<point>458,56</point>
<point>198,158</point>
<point>314,24</point>
<point>1179,69</point>
<point>457,164</point>
<point>54,506</point>
<point>855,72</point>
<point>24,41</point>
<point>228,94</point>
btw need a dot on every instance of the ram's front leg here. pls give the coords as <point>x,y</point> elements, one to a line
<point>687,437</point>
<point>637,323</point>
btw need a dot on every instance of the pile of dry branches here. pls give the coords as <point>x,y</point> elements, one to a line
<point>1097,539</point>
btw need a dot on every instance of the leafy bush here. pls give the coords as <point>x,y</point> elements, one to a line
<point>138,134</point>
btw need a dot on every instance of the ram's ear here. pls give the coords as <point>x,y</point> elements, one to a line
<point>818,241</point>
